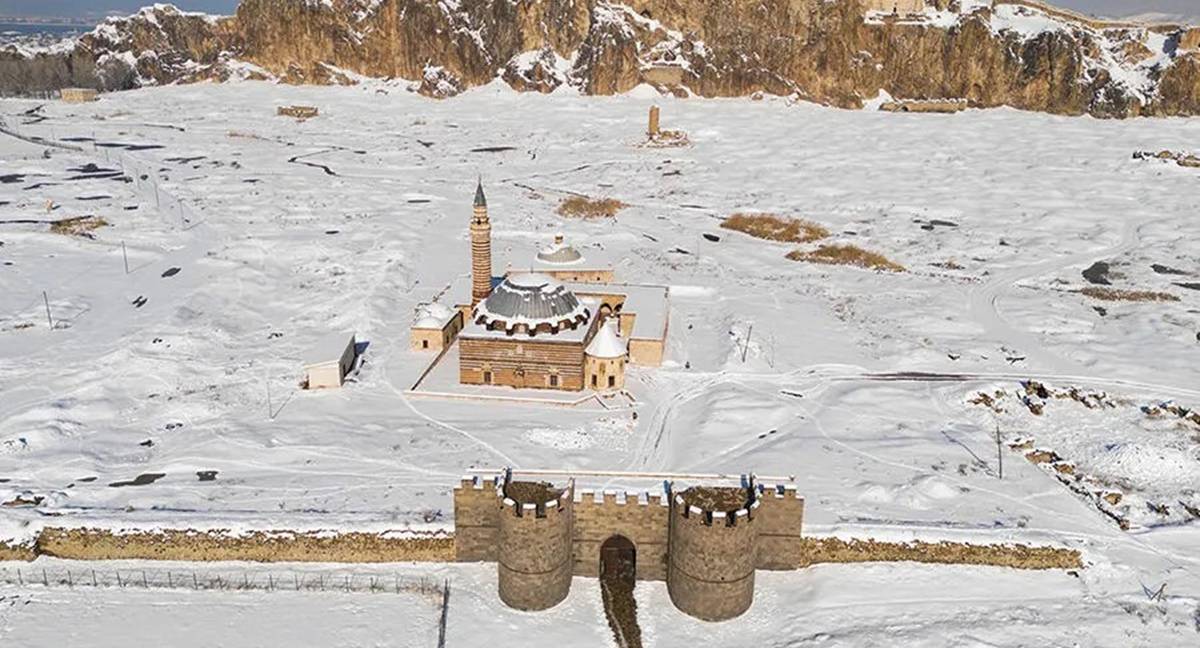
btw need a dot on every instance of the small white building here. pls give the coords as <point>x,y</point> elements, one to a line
<point>330,360</point>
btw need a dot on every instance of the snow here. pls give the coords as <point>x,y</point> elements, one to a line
<point>606,343</point>
<point>771,366</point>
<point>329,348</point>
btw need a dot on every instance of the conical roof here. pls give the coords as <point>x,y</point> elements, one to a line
<point>480,199</point>
<point>607,344</point>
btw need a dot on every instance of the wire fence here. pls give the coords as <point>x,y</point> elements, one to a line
<point>142,174</point>
<point>222,580</point>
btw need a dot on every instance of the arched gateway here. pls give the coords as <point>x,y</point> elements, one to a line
<point>618,559</point>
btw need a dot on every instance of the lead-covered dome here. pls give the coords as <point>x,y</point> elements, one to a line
<point>531,303</point>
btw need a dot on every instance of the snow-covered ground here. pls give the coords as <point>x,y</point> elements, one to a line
<point>351,220</point>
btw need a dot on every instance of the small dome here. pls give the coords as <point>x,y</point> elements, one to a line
<point>432,316</point>
<point>531,300</point>
<point>607,344</point>
<point>559,254</point>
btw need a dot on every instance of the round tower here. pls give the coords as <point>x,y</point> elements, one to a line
<point>604,359</point>
<point>481,248</point>
<point>534,548</point>
<point>710,569</point>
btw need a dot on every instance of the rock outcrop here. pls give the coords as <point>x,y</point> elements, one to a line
<point>988,52</point>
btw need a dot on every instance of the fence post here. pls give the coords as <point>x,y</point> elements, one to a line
<point>49,320</point>
<point>445,613</point>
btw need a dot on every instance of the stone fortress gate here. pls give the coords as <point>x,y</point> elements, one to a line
<point>705,541</point>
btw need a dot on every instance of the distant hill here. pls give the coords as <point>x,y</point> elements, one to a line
<point>1017,53</point>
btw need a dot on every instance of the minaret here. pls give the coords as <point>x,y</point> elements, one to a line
<point>481,249</point>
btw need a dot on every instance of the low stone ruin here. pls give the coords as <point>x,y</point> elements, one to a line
<point>925,105</point>
<point>657,137</point>
<point>300,113</point>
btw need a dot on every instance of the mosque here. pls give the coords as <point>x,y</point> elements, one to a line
<point>556,321</point>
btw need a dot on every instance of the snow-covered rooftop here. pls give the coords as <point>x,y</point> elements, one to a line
<point>607,344</point>
<point>329,348</point>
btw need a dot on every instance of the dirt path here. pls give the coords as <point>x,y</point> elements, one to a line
<point>620,607</point>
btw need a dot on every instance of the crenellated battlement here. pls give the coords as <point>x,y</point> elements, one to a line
<point>779,491</point>
<point>560,505</point>
<point>706,541</point>
<point>585,497</point>
<point>475,482</point>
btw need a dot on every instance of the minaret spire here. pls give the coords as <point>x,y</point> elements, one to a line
<point>481,248</point>
<point>480,199</point>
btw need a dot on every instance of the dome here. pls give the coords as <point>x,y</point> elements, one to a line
<point>432,316</point>
<point>607,344</point>
<point>559,254</point>
<point>533,301</point>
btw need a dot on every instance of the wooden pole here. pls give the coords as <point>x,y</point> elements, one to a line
<point>49,320</point>
<point>999,451</point>
<point>746,346</point>
<point>445,612</point>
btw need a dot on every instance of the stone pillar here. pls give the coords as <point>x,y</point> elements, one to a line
<point>652,129</point>
<point>535,552</point>
<point>710,569</point>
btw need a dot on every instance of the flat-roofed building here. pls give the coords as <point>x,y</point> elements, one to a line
<point>330,360</point>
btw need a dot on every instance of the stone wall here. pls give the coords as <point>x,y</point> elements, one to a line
<point>523,362</point>
<point>640,517</point>
<point>648,353</point>
<point>258,546</point>
<point>476,519</point>
<point>598,371</point>
<point>778,541</point>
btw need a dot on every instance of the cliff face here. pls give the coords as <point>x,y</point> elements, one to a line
<point>831,51</point>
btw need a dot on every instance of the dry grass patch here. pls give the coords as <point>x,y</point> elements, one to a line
<point>78,226</point>
<point>836,550</point>
<point>1117,294</point>
<point>585,207</point>
<point>10,550</point>
<point>850,255</point>
<point>771,227</point>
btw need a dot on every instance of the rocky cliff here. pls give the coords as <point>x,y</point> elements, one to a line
<point>840,52</point>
